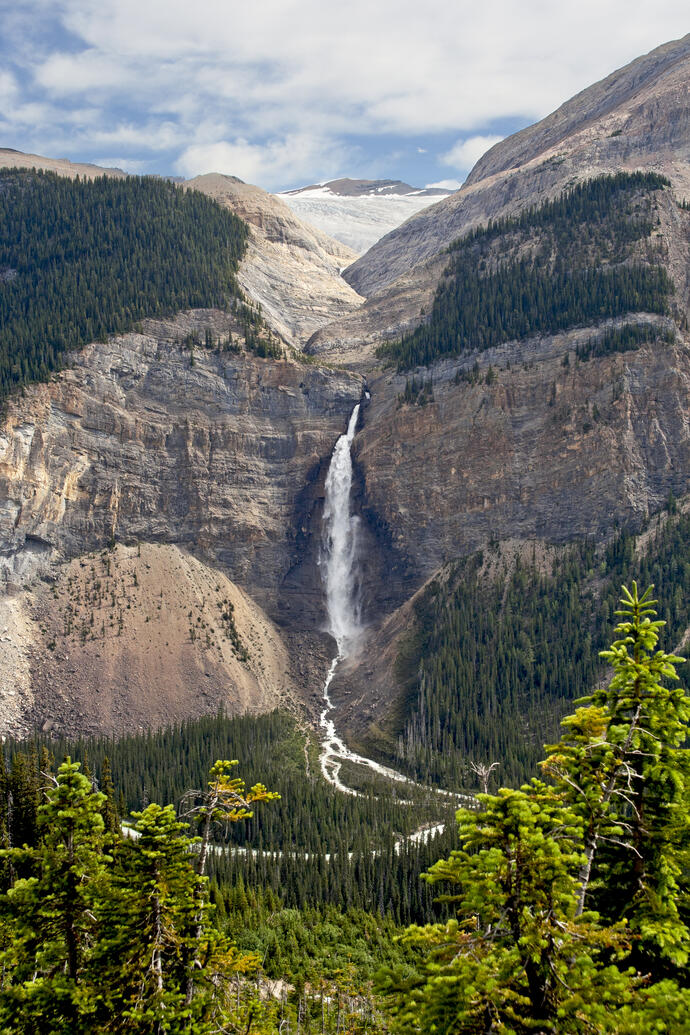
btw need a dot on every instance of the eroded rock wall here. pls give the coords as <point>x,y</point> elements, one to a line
<point>144,440</point>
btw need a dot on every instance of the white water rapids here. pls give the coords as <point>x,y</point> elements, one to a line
<point>341,583</point>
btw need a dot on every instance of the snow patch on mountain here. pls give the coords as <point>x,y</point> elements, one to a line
<point>358,213</point>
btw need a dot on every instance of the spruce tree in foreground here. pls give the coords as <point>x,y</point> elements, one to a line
<point>52,919</point>
<point>103,933</point>
<point>571,899</point>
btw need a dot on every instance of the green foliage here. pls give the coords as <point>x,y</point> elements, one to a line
<point>526,952</point>
<point>105,933</point>
<point>310,814</point>
<point>623,339</point>
<point>310,943</point>
<point>623,763</point>
<point>310,818</point>
<point>495,660</point>
<point>570,262</point>
<point>81,259</point>
<point>516,958</point>
<point>416,392</point>
<point>50,918</point>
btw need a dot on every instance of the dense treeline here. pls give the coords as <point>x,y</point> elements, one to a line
<point>494,663</point>
<point>81,259</point>
<point>565,905</point>
<point>282,848</point>
<point>623,339</point>
<point>573,261</point>
<point>380,879</point>
<point>311,815</point>
<point>105,933</point>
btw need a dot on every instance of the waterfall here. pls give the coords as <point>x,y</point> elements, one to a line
<point>340,579</point>
<point>339,558</point>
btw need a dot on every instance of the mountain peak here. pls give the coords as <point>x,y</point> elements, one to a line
<point>637,118</point>
<point>345,187</point>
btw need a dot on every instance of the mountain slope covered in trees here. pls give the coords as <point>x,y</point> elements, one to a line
<point>566,909</point>
<point>502,645</point>
<point>571,262</point>
<point>82,259</point>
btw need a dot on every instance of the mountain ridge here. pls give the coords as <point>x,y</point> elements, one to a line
<point>654,123</point>
<point>348,187</point>
<point>182,436</point>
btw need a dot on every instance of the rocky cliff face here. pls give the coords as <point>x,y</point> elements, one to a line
<point>213,453</point>
<point>636,118</point>
<point>506,459</point>
<point>136,443</point>
<point>502,455</point>
<point>537,447</point>
<point>395,310</point>
<point>214,461</point>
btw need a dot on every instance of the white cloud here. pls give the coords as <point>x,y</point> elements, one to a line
<point>246,77</point>
<point>8,89</point>
<point>85,73</point>
<point>130,165</point>
<point>445,185</point>
<point>271,164</point>
<point>466,153</point>
<point>390,65</point>
<point>151,137</point>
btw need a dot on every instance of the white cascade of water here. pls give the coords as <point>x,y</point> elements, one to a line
<point>339,561</point>
<point>340,578</point>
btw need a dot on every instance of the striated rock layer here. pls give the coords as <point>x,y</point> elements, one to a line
<point>219,456</point>
<point>135,442</point>
<point>540,450</point>
<point>217,453</point>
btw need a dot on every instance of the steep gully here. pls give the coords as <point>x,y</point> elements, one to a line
<point>340,579</point>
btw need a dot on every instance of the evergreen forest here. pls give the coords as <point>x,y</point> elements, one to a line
<point>82,259</point>
<point>561,906</point>
<point>287,841</point>
<point>584,257</point>
<point>493,663</point>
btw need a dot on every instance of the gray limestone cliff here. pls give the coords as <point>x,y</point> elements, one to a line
<point>142,441</point>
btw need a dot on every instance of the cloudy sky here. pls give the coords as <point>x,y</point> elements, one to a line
<point>284,93</point>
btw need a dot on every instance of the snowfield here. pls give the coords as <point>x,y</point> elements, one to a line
<point>356,221</point>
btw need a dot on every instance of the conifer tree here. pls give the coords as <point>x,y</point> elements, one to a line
<point>623,764</point>
<point>526,951</point>
<point>516,958</point>
<point>159,922</point>
<point>55,913</point>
